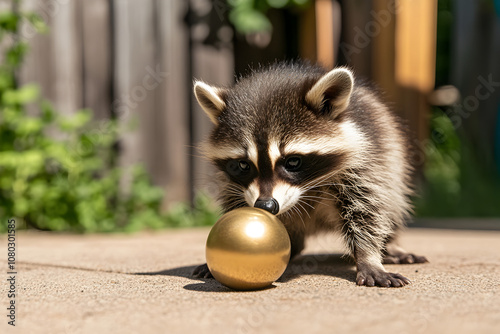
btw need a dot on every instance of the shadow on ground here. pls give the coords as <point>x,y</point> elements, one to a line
<point>334,265</point>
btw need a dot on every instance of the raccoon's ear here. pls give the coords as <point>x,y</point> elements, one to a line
<point>333,91</point>
<point>211,99</point>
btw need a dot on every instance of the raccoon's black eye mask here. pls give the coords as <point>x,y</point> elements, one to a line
<point>295,169</point>
<point>241,171</point>
<point>299,169</point>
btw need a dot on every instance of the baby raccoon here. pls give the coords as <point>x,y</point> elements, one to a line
<point>319,150</point>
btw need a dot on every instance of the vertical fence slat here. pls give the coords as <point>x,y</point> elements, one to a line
<point>134,55</point>
<point>66,69</point>
<point>96,57</point>
<point>54,61</point>
<point>173,169</point>
<point>37,64</point>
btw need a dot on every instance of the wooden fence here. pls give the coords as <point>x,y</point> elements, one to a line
<point>130,59</point>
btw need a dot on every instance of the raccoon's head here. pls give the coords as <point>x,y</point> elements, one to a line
<point>278,133</point>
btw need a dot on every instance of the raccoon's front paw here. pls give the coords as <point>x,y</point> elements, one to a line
<point>202,272</point>
<point>377,277</point>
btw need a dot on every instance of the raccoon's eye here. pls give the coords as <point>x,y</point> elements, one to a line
<point>243,165</point>
<point>238,168</point>
<point>293,163</point>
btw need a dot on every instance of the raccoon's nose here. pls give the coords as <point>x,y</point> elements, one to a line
<point>268,204</point>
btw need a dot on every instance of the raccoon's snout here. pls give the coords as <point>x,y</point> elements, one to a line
<point>268,204</point>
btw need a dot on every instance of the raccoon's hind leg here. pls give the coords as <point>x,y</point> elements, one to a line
<point>395,254</point>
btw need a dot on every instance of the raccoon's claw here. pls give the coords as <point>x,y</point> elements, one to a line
<point>381,278</point>
<point>406,258</point>
<point>202,272</point>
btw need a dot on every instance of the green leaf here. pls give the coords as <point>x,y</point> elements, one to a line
<point>21,207</point>
<point>301,3</point>
<point>21,96</point>
<point>76,121</point>
<point>48,113</point>
<point>29,126</point>
<point>277,3</point>
<point>9,21</point>
<point>6,79</point>
<point>37,22</point>
<point>16,53</point>
<point>249,21</point>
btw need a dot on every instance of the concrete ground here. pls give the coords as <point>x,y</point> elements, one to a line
<point>141,284</point>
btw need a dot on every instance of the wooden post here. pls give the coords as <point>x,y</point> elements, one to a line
<point>325,37</point>
<point>415,60</point>
<point>356,46</point>
<point>383,47</point>
<point>307,35</point>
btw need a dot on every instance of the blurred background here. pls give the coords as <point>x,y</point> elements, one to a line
<point>99,127</point>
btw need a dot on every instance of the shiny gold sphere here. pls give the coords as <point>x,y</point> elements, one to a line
<point>248,249</point>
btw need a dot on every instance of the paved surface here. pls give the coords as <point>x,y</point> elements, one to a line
<point>141,284</point>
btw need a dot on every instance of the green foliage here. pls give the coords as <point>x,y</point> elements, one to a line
<point>57,172</point>
<point>442,169</point>
<point>203,214</point>
<point>249,16</point>
<point>456,185</point>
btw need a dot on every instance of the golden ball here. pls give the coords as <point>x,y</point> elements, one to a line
<point>248,249</point>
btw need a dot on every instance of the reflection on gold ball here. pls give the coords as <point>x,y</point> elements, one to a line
<point>248,249</point>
